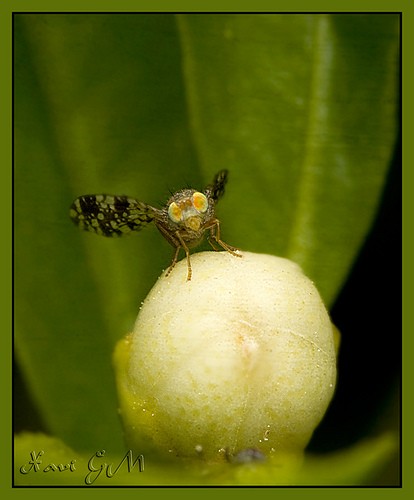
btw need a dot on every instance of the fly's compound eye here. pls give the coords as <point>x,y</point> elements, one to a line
<point>200,202</point>
<point>174,212</point>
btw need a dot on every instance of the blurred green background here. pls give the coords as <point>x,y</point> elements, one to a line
<point>304,112</point>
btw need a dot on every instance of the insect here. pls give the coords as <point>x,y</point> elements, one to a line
<point>183,221</point>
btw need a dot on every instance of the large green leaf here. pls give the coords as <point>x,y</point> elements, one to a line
<point>300,108</point>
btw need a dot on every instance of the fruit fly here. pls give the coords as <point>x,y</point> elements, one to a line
<point>183,221</point>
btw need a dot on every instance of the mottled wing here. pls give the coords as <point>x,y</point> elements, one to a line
<point>110,215</point>
<point>216,189</point>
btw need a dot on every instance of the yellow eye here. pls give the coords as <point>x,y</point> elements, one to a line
<point>200,202</point>
<point>174,212</point>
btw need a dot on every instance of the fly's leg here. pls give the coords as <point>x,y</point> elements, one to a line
<point>209,239</point>
<point>174,261</point>
<point>215,235</point>
<point>187,252</point>
<point>177,241</point>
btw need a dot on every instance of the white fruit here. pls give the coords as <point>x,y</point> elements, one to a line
<point>242,356</point>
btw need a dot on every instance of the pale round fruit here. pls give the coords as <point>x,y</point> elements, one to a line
<point>242,356</point>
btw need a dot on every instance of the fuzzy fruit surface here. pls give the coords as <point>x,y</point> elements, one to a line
<point>242,356</point>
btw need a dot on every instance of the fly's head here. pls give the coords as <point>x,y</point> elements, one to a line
<point>189,212</point>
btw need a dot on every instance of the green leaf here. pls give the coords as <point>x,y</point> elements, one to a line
<point>99,108</point>
<point>300,108</point>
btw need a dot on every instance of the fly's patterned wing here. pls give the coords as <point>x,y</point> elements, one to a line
<point>110,215</point>
<point>216,189</point>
